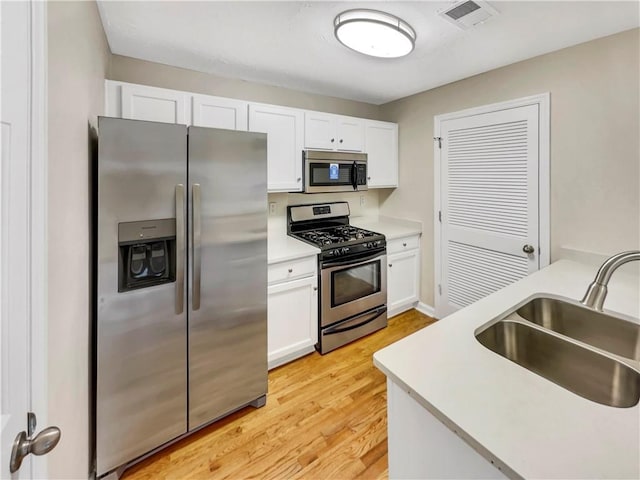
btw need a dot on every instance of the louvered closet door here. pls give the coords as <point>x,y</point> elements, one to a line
<point>489,174</point>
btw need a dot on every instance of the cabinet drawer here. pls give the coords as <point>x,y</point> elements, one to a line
<point>402,244</point>
<point>301,267</point>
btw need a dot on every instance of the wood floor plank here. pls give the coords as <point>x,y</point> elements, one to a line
<point>325,417</point>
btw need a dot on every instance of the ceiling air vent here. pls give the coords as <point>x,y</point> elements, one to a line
<point>467,14</point>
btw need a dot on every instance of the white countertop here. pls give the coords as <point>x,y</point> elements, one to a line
<point>528,425</point>
<point>392,228</point>
<point>281,247</point>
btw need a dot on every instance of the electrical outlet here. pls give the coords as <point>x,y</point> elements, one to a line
<point>363,200</point>
<point>272,208</point>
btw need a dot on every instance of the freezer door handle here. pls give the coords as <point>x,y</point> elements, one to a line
<point>195,222</point>
<point>179,248</point>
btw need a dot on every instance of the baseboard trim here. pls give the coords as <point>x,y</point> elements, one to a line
<point>426,309</point>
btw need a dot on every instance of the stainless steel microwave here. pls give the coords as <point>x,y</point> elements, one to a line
<point>334,171</point>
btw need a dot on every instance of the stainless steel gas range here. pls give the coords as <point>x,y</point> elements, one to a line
<point>351,266</point>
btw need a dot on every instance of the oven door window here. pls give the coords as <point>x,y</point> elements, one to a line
<point>325,174</point>
<point>353,283</point>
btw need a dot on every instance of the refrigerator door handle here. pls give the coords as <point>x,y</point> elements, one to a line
<point>180,235</point>
<point>196,245</point>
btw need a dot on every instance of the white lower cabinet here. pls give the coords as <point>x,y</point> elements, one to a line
<point>403,274</point>
<point>292,311</point>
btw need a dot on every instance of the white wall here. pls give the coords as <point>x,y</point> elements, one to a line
<point>78,59</point>
<point>361,204</point>
<point>595,151</point>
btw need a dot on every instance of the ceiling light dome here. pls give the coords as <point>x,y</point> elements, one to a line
<point>374,33</point>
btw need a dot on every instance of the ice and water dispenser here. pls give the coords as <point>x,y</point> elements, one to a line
<point>147,253</point>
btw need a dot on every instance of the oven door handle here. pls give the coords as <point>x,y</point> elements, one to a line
<point>350,261</point>
<point>338,329</point>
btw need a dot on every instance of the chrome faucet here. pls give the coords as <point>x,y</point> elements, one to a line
<point>597,291</point>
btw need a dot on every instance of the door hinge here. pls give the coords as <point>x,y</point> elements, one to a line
<point>439,289</point>
<point>439,140</point>
<point>440,216</point>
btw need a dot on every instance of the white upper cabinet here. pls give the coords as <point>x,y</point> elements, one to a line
<point>289,130</point>
<point>284,129</point>
<point>381,145</point>
<point>140,102</point>
<point>324,131</point>
<point>219,112</point>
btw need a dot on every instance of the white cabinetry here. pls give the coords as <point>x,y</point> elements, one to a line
<point>292,310</point>
<point>284,129</point>
<point>219,112</point>
<point>324,131</point>
<point>381,145</point>
<point>289,130</point>
<point>140,102</point>
<point>403,274</point>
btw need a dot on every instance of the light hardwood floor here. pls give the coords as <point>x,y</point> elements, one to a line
<point>325,418</point>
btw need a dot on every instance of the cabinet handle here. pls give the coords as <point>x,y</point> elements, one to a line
<point>291,270</point>
<point>391,264</point>
<point>404,244</point>
<point>333,140</point>
<point>368,178</point>
<point>315,289</point>
<point>340,140</point>
<point>298,179</point>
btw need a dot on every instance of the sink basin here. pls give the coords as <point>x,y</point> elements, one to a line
<point>584,371</point>
<point>581,323</point>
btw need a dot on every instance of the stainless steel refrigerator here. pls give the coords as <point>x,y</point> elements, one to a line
<point>181,282</point>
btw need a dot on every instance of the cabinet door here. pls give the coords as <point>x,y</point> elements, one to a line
<point>350,135</point>
<point>403,280</point>
<point>319,131</point>
<point>219,112</point>
<point>292,319</point>
<point>382,153</point>
<point>284,129</point>
<point>139,102</point>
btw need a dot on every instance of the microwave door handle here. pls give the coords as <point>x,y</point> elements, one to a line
<point>354,176</point>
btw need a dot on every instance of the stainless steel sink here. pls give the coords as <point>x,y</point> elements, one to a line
<point>595,328</point>
<point>578,368</point>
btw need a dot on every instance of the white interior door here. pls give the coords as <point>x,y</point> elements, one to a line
<point>489,187</point>
<point>14,241</point>
<point>22,230</point>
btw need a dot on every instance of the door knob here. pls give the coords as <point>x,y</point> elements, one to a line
<point>42,443</point>
<point>528,249</point>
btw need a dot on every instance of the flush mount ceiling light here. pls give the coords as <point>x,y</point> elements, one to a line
<point>374,33</point>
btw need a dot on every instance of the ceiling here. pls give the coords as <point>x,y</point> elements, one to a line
<point>291,44</point>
